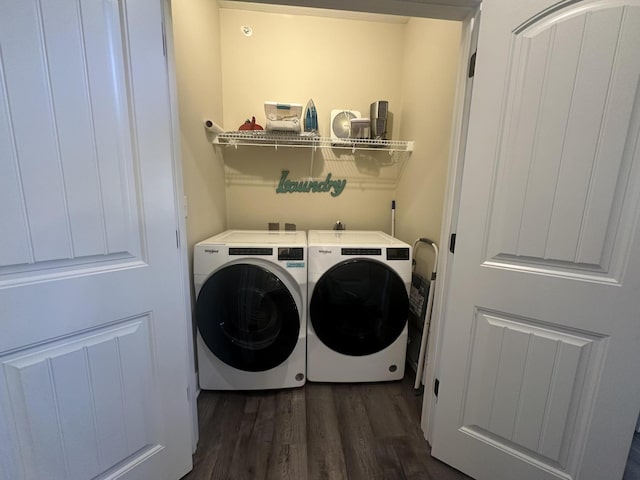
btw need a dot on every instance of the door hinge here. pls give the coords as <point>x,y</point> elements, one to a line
<point>436,387</point>
<point>472,65</point>
<point>452,243</point>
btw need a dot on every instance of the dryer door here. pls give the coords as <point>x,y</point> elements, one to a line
<point>359,307</point>
<point>247,317</point>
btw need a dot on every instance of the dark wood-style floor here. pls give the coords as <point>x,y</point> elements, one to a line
<point>632,472</point>
<point>320,431</point>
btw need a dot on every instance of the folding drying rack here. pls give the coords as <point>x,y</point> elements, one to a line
<point>420,307</point>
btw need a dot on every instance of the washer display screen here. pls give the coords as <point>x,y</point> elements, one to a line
<point>247,317</point>
<point>359,307</point>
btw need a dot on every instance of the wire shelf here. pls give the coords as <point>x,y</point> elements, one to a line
<point>369,163</point>
<point>308,140</point>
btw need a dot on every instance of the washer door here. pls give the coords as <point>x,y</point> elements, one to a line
<point>247,317</point>
<point>359,307</point>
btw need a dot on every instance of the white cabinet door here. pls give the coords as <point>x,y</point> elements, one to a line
<point>538,373</point>
<point>93,362</point>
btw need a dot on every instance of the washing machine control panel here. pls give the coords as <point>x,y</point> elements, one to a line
<point>290,253</point>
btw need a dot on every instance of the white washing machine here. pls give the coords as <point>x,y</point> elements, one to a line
<point>358,306</point>
<point>251,289</point>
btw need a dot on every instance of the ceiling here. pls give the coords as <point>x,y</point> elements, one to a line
<point>383,10</point>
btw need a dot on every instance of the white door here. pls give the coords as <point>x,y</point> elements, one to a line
<point>541,343</point>
<point>93,338</point>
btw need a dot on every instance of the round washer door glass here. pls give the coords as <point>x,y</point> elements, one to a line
<point>359,307</point>
<point>247,317</point>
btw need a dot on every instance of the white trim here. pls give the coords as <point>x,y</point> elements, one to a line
<point>180,206</point>
<point>468,45</point>
<point>448,10</point>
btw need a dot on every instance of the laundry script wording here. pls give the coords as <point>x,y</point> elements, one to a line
<point>314,186</point>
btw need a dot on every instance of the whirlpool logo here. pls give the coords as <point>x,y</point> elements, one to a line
<point>210,250</point>
<point>325,251</point>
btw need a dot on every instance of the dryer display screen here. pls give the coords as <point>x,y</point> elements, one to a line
<point>359,307</point>
<point>397,254</point>
<point>247,317</point>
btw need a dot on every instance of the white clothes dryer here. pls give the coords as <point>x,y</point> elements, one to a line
<point>358,306</point>
<point>251,290</point>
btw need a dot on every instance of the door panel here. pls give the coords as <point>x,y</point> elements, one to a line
<point>525,384</point>
<point>566,147</point>
<point>543,300</point>
<point>93,350</point>
<point>66,130</point>
<point>80,405</point>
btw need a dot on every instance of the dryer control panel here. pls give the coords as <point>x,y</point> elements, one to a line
<point>397,254</point>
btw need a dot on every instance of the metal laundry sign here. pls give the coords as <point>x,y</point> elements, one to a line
<point>310,186</point>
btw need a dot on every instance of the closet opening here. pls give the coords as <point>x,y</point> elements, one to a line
<point>414,56</point>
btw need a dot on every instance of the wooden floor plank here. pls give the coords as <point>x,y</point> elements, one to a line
<point>389,412</point>
<point>356,434</point>
<point>288,460</point>
<point>323,432</point>
<point>317,432</point>
<point>255,437</point>
<point>218,437</point>
<point>390,463</point>
<point>205,455</point>
<point>291,417</point>
<point>632,471</point>
<point>324,445</point>
<point>241,464</point>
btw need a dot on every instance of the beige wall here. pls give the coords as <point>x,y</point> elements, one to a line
<point>199,84</point>
<point>428,85</point>
<point>341,64</point>
<point>292,59</point>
